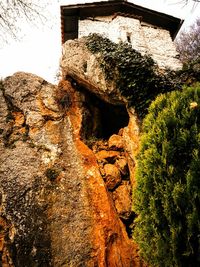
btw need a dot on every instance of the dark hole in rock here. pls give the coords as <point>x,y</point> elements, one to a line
<point>113,118</point>
<point>129,223</point>
<point>101,119</point>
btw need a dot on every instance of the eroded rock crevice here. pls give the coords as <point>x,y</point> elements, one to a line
<point>100,118</point>
<point>102,131</point>
<point>109,229</point>
<point>113,165</point>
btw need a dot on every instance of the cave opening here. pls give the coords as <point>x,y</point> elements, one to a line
<point>102,119</point>
<point>113,118</point>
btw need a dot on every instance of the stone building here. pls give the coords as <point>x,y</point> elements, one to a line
<point>148,31</point>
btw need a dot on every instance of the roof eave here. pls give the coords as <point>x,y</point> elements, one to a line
<point>162,20</point>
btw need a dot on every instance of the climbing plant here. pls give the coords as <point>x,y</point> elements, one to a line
<point>167,196</point>
<point>135,75</point>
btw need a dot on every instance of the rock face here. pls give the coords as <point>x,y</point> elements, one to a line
<point>112,176</point>
<point>55,208</point>
<point>83,66</point>
<point>122,200</point>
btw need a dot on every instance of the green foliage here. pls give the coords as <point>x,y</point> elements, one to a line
<point>190,73</point>
<point>134,75</point>
<point>167,196</point>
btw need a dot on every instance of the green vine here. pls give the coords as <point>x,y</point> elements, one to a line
<point>134,74</point>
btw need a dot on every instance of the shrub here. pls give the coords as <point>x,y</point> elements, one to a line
<point>167,196</point>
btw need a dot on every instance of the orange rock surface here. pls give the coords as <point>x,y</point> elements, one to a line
<point>55,207</point>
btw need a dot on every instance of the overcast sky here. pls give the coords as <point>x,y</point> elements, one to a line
<point>39,48</point>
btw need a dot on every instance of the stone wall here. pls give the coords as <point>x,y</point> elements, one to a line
<point>143,37</point>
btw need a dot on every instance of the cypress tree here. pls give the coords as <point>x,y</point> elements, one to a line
<point>167,195</point>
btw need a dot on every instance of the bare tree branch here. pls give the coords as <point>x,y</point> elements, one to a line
<point>188,44</point>
<point>186,2</point>
<point>11,11</point>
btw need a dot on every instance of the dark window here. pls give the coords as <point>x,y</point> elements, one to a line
<point>128,36</point>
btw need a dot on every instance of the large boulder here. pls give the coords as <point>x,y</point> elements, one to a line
<point>54,207</point>
<point>112,176</point>
<point>84,67</point>
<point>122,199</point>
<point>131,140</point>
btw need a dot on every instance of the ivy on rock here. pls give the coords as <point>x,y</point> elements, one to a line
<point>135,75</point>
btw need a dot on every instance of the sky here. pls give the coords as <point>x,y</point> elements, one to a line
<point>38,48</point>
